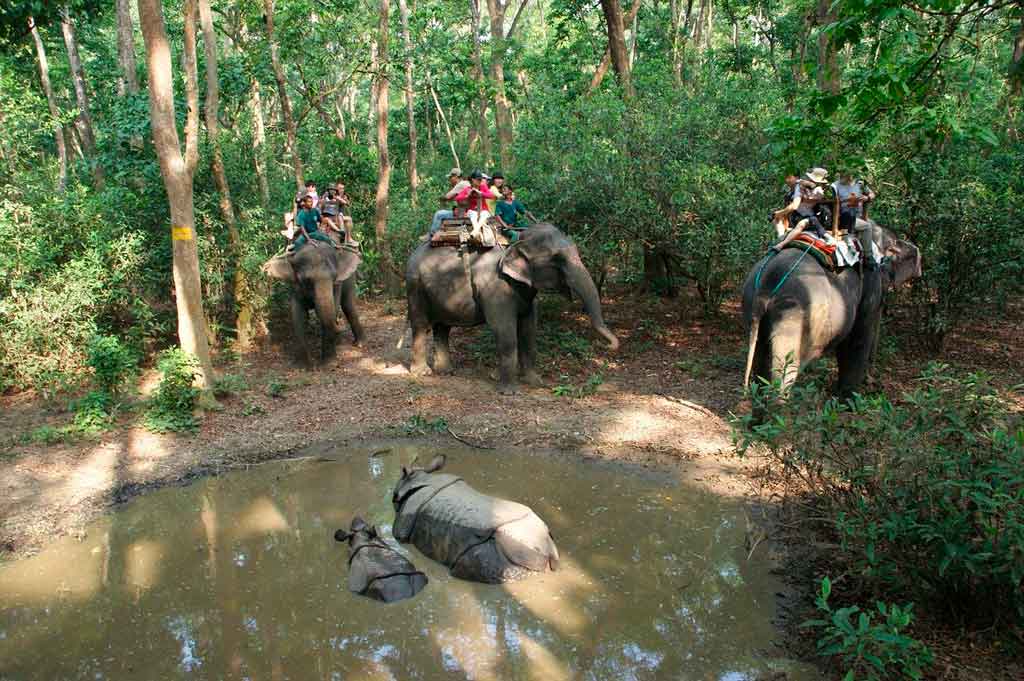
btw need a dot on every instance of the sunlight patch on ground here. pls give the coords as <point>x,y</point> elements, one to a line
<point>95,474</point>
<point>556,597</point>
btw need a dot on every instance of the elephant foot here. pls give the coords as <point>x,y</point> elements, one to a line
<point>420,370</point>
<point>508,389</point>
<point>531,378</point>
<point>443,368</point>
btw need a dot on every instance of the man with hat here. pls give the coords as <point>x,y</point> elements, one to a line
<point>803,210</point>
<point>457,184</point>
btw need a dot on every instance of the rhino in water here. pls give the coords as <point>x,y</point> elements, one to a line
<point>479,537</point>
<point>375,569</point>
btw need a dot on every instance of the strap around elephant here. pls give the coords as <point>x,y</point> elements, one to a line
<point>463,250</point>
<point>772,254</point>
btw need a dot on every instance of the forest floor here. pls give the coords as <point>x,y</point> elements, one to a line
<point>663,400</point>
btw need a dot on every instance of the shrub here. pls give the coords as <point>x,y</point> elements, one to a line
<point>869,649</point>
<point>926,492</point>
<point>94,412</point>
<point>172,405</point>
<point>112,363</point>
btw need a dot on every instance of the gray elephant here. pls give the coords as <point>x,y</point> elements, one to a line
<point>795,310</point>
<point>322,279</point>
<point>479,537</point>
<point>376,570</point>
<point>497,287</point>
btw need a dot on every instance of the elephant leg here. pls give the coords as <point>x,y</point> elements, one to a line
<point>419,324</point>
<point>527,347</point>
<point>442,350</point>
<point>500,316</point>
<point>298,314</point>
<point>784,341</point>
<point>855,353</point>
<point>347,302</point>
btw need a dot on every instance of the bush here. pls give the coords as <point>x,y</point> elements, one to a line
<point>875,651</point>
<point>112,363</point>
<point>926,492</point>
<point>173,404</point>
<point>94,412</point>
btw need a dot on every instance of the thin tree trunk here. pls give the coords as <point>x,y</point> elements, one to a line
<point>444,120</point>
<point>259,139</point>
<point>502,111</point>
<point>1016,74</point>
<point>828,67</point>
<point>617,45</point>
<point>84,120</point>
<point>606,60</point>
<point>482,132</point>
<point>58,129</point>
<point>291,132</point>
<point>632,38</point>
<point>410,105</point>
<point>391,283</point>
<point>177,171</point>
<point>128,79</point>
<point>243,318</point>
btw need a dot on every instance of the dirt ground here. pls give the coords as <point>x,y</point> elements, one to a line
<point>663,400</point>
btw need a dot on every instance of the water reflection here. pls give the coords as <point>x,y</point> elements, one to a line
<point>238,577</point>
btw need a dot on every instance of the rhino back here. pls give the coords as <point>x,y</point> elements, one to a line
<point>374,564</point>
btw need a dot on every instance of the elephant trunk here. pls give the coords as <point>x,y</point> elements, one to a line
<point>579,281</point>
<point>326,309</point>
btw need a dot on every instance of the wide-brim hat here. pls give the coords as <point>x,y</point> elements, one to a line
<point>818,175</point>
<point>455,171</point>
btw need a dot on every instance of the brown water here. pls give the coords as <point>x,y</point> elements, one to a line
<point>238,577</point>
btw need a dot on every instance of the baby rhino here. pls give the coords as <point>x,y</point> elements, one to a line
<point>479,537</point>
<point>375,569</point>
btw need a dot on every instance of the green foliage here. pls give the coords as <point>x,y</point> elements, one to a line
<point>870,646</point>
<point>227,385</point>
<point>94,412</point>
<point>556,342</point>
<point>172,407</point>
<point>111,361</point>
<point>420,425</point>
<point>48,435</point>
<point>566,388</point>
<point>926,492</point>
<point>276,388</point>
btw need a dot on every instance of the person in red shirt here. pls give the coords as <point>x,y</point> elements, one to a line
<point>476,196</point>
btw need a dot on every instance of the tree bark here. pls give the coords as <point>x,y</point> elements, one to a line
<point>828,58</point>
<point>1016,73</point>
<point>410,107</point>
<point>481,132</point>
<point>259,143</point>
<point>243,314</point>
<point>291,131</point>
<point>128,79</point>
<point>444,120</point>
<point>502,111</point>
<point>602,68</point>
<point>617,45</point>
<point>84,120</point>
<point>58,129</point>
<point>391,283</point>
<point>177,171</point>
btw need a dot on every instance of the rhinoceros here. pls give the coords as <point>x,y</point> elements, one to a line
<point>375,569</point>
<point>478,537</point>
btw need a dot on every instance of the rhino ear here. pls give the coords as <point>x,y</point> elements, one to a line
<point>437,464</point>
<point>342,535</point>
<point>372,531</point>
<point>405,472</point>
<point>278,267</point>
<point>358,524</point>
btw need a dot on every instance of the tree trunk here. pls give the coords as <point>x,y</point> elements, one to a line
<point>481,132</point>
<point>84,120</point>
<point>617,45</point>
<point>287,118</point>
<point>259,142</point>
<point>391,283</point>
<point>128,79</point>
<point>602,68</point>
<point>828,66</point>
<point>502,111</point>
<point>1016,74</point>
<point>410,108</point>
<point>58,129</point>
<point>444,120</point>
<point>243,318</point>
<point>177,172</point>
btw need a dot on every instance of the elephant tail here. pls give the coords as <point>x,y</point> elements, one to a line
<point>757,311</point>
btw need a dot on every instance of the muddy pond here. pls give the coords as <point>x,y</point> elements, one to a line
<point>239,577</point>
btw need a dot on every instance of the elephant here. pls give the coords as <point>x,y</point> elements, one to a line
<point>478,537</point>
<point>795,311</point>
<point>376,570</point>
<point>322,279</point>
<point>446,288</point>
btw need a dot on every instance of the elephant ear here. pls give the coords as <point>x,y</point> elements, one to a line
<point>347,264</point>
<point>904,261</point>
<point>278,267</point>
<point>515,264</point>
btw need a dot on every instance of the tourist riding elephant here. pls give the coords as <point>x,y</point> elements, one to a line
<point>447,288</point>
<point>479,537</point>
<point>322,279</point>
<point>795,311</point>
<point>376,570</point>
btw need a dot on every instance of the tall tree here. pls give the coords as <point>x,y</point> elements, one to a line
<point>259,143</point>
<point>391,282</point>
<point>496,9</point>
<point>287,118</point>
<point>410,106</point>
<point>178,170</point>
<point>243,319</point>
<point>828,53</point>
<point>127,79</point>
<point>84,121</point>
<point>480,132</point>
<point>58,129</point>
<point>602,68</point>
<point>612,10</point>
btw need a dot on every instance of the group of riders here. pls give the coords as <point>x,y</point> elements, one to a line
<point>482,199</point>
<point>811,204</point>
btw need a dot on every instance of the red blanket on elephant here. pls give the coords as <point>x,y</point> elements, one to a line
<point>823,252</point>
